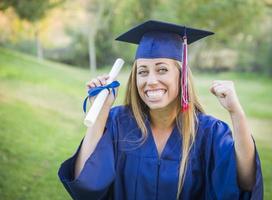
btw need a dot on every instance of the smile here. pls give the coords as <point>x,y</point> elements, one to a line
<point>155,94</point>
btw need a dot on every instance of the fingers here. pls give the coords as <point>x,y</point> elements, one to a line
<point>221,88</point>
<point>98,81</point>
<point>222,82</point>
<point>220,91</point>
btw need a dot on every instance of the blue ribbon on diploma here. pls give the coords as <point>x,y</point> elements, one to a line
<point>95,91</point>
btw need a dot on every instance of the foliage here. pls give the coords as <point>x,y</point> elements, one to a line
<point>74,54</point>
<point>30,10</point>
<point>233,22</point>
<point>255,50</point>
<point>228,19</point>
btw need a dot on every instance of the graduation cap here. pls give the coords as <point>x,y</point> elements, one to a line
<point>158,39</point>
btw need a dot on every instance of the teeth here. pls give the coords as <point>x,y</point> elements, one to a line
<point>154,94</point>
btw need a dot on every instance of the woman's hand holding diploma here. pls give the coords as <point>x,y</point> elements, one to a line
<point>97,115</point>
<point>101,81</point>
<point>97,105</point>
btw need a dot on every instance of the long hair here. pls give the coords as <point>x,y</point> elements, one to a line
<point>186,122</point>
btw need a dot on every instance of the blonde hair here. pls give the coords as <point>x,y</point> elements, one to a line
<point>186,121</point>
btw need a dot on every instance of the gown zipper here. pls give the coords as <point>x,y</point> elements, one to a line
<point>158,178</point>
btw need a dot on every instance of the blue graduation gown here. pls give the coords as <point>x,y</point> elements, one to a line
<point>121,168</point>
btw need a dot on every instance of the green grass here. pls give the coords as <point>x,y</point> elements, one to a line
<point>41,121</point>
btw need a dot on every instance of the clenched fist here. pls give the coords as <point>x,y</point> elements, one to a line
<point>224,90</point>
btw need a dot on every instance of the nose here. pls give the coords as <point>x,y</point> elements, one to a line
<point>152,79</point>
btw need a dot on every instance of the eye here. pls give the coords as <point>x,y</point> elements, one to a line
<point>142,72</point>
<point>163,70</point>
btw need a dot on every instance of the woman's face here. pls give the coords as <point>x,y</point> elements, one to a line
<point>157,81</point>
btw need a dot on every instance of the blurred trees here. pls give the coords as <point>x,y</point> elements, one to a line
<point>98,17</point>
<point>242,28</point>
<point>32,11</point>
<point>255,50</point>
<point>231,21</point>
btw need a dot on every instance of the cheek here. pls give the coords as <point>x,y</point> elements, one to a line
<point>175,89</point>
<point>139,85</point>
<point>176,85</point>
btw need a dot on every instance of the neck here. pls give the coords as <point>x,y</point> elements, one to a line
<point>163,118</point>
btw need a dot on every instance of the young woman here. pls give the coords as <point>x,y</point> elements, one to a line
<point>161,144</point>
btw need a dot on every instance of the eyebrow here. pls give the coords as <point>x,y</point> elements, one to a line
<point>161,63</point>
<point>158,63</point>
<point>144,66</point>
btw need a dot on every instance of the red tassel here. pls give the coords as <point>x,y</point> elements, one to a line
<point>184,78</point>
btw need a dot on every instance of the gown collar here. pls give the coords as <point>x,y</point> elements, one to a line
<point>172,148</point>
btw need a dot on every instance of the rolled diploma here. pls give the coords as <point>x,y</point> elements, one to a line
<point>102,96</point>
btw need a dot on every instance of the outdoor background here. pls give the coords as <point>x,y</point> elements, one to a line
<point>49,49</point>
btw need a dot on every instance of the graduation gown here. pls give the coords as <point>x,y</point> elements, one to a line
<point>122,168</point>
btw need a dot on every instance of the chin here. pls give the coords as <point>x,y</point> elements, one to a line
<point>161,105</point>
<point>154,106</point>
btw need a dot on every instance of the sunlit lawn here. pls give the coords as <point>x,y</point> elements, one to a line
<point>41,121</point>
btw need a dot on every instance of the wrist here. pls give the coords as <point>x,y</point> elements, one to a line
<point>238,113</point>
<point>107,106</point>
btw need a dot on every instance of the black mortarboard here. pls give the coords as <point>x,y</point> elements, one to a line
<point>158,39</point>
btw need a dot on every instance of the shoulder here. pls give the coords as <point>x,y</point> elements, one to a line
<point>122,116</point>
<point>213,131</point>
<point>120,112</point>
<point>210,123</point>
<point>123,123</point>
<point>214,138</point>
